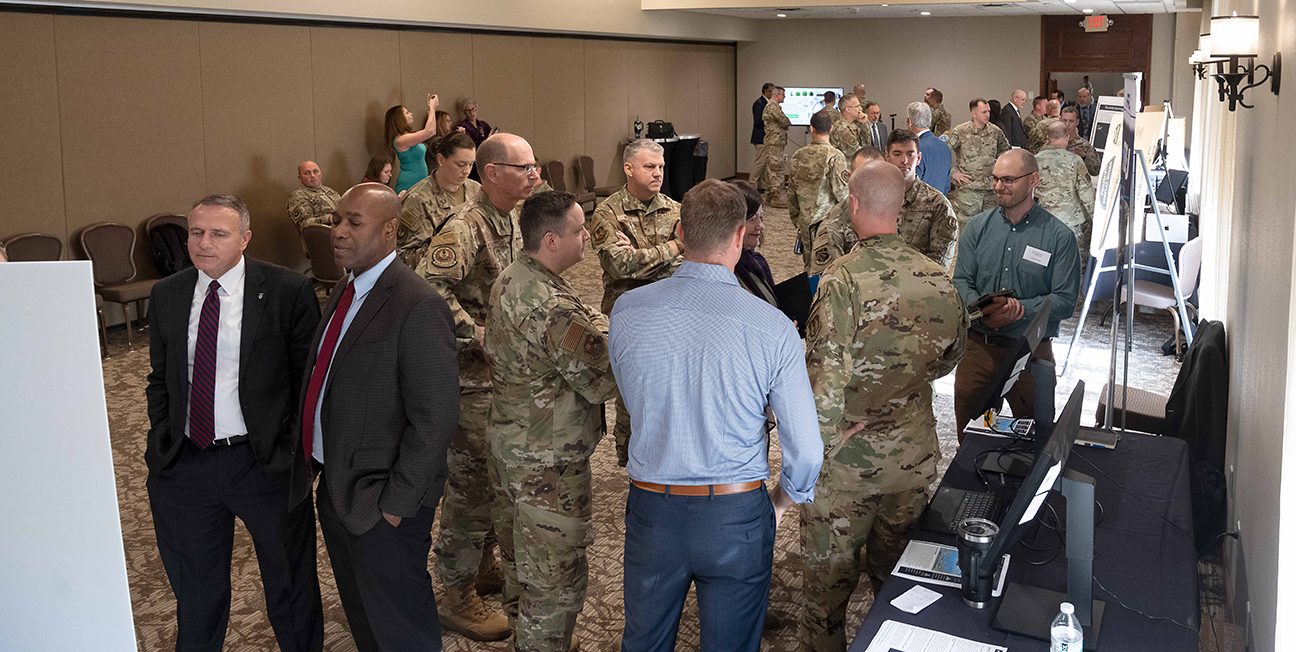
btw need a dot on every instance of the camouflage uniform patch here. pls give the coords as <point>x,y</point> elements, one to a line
<point>425,208</point>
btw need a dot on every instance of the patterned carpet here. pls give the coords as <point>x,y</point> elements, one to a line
<point>599,626</point>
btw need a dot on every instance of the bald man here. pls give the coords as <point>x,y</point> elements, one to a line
<point>462,263</point>
<point>886,322</point>
<point>1017,246</point>
<point>859,91</point>
<point>379,410</point>
<point>313,202</point>
<point>1010,119</point>
<point>1038,133</point>
<point>835,235</point>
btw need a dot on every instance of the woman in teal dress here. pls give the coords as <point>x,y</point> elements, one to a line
<point>407,145</point>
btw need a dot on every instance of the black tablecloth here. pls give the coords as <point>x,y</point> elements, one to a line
<point>1138,554</point>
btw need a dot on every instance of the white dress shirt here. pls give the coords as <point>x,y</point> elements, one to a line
<point>228,415</point>
<point>363,284</point>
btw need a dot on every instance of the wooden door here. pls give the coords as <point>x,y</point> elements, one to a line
<point>1126,46</point>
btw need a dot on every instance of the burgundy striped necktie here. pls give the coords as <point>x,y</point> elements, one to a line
<point>322,361</point>
<point>202,390</point>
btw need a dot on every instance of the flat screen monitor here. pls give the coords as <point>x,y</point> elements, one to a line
<point>1050,461</point>
<point>801,102</point>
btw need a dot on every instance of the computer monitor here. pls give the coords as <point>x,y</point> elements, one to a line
<point>1050,460</point>
<point>801,102</point>
<point>1029,610</point>
<point>1010,369</point>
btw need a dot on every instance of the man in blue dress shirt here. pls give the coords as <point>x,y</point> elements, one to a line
<point>934,165</point>
<point>697,358</point>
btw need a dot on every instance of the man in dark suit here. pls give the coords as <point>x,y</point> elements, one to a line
<point>228,346</point>
<point>380,406</point>
<point>757,175</point>
<point>1011,121</point>
<point>873,127</point>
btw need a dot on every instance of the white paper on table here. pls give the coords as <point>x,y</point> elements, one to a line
<point>915,599</point>
<point>895,635</point>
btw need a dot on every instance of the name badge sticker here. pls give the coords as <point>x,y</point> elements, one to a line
<point>1037,256</point>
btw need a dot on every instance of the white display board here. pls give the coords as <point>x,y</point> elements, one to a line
<point>62,566</point>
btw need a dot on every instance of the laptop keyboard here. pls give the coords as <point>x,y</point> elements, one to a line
<point>977,505</point>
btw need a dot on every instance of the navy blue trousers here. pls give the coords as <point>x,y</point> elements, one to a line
<point>723,544</point>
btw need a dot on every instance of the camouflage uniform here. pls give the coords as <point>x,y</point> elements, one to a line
<point>846,137</point>
<point>308,205</point>
<point>940,120</point>
<point>819,176</point>
<point>832,113</point>
<point>551,377</point>
<point>462,263</point>
<point>1066,191</point>
<point>1029,121</point>
<point>1081,147</point>
<point>975,152</point>
<point>776,126</point>
<point>1039,133</point>
<point>650,227</point>
<point>926,223</point>
<point>424,210</point>
<point>885,323</point>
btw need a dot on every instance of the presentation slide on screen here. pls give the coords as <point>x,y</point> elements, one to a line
<point>801,102</point>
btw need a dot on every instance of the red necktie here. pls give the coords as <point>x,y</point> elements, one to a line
<point>202,389</point>
<point>322,365</point>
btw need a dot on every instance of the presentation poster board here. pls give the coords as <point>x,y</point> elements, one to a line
<point>801,102</point>
<point>1109,106</point>
<point>62,565</point>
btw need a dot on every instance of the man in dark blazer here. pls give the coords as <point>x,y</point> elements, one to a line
<point>873,127</point>
<point>757,175</point>
<point>228,347</point>
<point>1010,120</point>
<point>381,402</point>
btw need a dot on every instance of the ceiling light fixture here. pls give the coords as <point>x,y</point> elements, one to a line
<point>926,13</point>
<point>1070,2</point>
<point>781,15</point>
<point>1087,11</point>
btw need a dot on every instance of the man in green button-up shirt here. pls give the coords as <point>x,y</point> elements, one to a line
<point>1017,246</point>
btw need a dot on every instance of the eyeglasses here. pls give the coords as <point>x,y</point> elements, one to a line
<point>526,169</point>
<point>1007,181</point>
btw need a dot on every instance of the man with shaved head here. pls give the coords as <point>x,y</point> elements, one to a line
<point>313,203</point>
<point>1066,189</point>
<point>1053,113</point>
<point>462,263</point>
<point>886,322</point>
<point>379,410</point>
<point>835,235</point>
<point>940,124</point>
<point>1016,246</point>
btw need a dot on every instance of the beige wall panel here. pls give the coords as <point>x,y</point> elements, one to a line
<point>31,168</point>
<point>502,83</point>
<point>436,62</point>
<point>559,85</point>
<point>682,87</point>
<point>352,91</point>
<point>647,70</point>
<point>259,124</point>
<point>609,122</point>
<point>716,108</point>
<point>131,111</point>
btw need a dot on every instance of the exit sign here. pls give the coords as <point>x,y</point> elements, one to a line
<point>1096,23</point>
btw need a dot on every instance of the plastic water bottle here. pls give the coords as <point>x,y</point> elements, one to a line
<point>1065,635</point>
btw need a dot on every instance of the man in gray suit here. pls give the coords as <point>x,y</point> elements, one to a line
<point>380,406</point>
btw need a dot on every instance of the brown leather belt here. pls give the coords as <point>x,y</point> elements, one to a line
<point>698,489</point>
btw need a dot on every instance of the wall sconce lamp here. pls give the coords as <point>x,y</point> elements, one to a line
<point>1199,61</point>
<point>1234,45</point>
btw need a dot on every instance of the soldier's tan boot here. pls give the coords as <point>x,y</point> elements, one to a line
<point>465,613</point>
<point>490,575</point>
